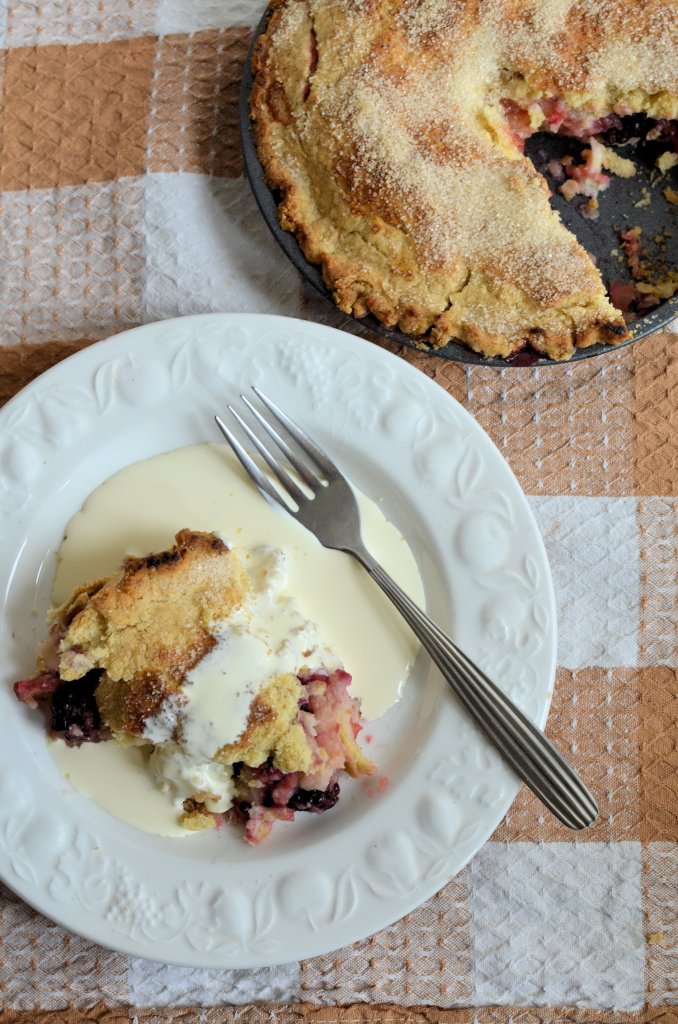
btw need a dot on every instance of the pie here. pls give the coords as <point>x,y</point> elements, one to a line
<point>394,132</point>
<point>120,663</point>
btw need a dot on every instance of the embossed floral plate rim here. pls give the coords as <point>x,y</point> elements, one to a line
<point>210,901</point>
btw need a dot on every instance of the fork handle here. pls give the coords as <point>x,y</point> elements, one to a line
<point>533,758</point>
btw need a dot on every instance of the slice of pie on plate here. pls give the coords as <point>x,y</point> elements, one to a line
<point>248,715</point>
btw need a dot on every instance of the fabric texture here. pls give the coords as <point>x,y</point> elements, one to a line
<point>122,201</point>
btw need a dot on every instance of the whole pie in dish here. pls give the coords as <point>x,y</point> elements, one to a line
<point>394,132</point>
<point>248,715</point>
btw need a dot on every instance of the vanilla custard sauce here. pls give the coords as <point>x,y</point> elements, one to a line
<point>305,586</point>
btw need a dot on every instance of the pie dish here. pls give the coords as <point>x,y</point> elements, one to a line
<point>319,883</point>
<point>122,662</point>
<point>398,158</point>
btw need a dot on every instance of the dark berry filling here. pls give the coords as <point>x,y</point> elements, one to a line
<point>525,356</point>
<point>617,131</point>
<point>269,787</point>
<point>74,713</point>
<point>314,800</point>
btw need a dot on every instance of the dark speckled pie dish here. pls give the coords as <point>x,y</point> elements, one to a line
<point>618,211</point>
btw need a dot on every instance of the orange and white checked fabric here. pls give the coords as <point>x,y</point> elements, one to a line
<point>122,201</point>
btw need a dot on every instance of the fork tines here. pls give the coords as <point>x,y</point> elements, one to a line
<point>285,426</point>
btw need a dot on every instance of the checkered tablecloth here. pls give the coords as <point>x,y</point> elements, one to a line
<point>122,201</point>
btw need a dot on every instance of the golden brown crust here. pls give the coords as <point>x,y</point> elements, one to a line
<point>196,817</point>
<point>271,730</point>
<point>148,625</point>
<point>381,125</point>
<point>126,704</point>
<point>274,732</point>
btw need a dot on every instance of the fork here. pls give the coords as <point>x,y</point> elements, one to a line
<point>331,513</point>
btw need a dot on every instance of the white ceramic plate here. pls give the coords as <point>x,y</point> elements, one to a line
<point>320,883</point>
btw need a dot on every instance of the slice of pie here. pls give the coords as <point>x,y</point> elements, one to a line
<point>123,661</point>
<point>394,132</point>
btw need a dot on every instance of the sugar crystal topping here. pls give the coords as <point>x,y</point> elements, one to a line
<point>405,122</point>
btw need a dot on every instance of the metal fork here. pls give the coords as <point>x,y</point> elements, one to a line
<point>331,513</point>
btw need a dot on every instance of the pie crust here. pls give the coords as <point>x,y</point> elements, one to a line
<point>383,125</point>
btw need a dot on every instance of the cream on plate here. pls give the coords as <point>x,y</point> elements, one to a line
<point>203,487</point>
